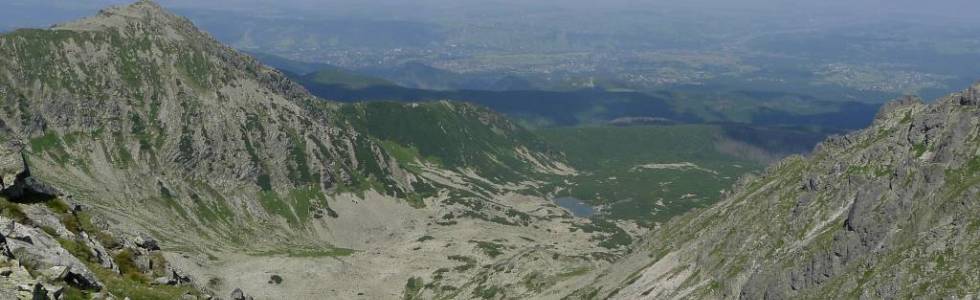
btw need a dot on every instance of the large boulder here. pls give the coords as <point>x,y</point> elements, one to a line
<point>11,163</point>
<point>238,294</point>
<point>174,277</point>
<point>43,217</point>
<point>147,242</point>
<point>22,187</point>
<point>37,251</point>
<point>971,96</point>
<point>13,276</point>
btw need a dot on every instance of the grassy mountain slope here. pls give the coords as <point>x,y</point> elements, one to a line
<point>456,135</point>
<point>652,173</point>
<point>887,212</point>
<point>344,78</point>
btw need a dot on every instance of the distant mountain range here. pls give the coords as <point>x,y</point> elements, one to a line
<point>547,108</point>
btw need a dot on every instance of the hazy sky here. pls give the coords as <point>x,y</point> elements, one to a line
<point>34,13</point>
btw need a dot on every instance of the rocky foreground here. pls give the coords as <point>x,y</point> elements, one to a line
<point>54,248</point>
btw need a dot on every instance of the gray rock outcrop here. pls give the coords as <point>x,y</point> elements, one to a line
<point>147,242</point>
<point>38,251</point>
<point>238,294</point>
<point>99,252</point>
<point>24,187</point>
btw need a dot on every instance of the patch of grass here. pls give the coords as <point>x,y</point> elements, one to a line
<point>169,200</point>
<point>272,203</point>
<point>51,144</point>
<point>615,237</point>
<point>58,206</point>
<point>535,282</point>
<point>960,180</point>
<point>491,249</point>
<point>870,170</point>
<point>123,157</point>
<point>50,231</point>
<point>487,292</point>
<point>408,157</point>
<point>76,249</point>
<point>125,260</point>
<point>196,67</point>
<point>303,200</point>
<point>468,262</point>
<point>920,149</point>
<point>297,204</point>
<point>264,182</point>
<point>135,287</point>
<point>439,273</point>
<point>138,127</point>
<point>73,293</point>
<point>211,212</point>
<point>186,145</point>
<point>82,221</point>
<point>359,185</point>
<point>13,211</point>
<point>907,118</point>
<point>299,170</point>
<point>413,288</point>
<point>415,200</point>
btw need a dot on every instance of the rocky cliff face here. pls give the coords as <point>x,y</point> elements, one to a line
<point>241,173</point>
<point>892,211</point>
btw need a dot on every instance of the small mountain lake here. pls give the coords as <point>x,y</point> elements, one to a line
<point>577,207</point>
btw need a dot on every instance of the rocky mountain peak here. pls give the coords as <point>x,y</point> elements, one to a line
<point>141,17</point>
<point>889,108</point>
<point>140,10</point>
<point>971,96</point>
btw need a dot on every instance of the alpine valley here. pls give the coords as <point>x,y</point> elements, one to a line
<point>140,158</point>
